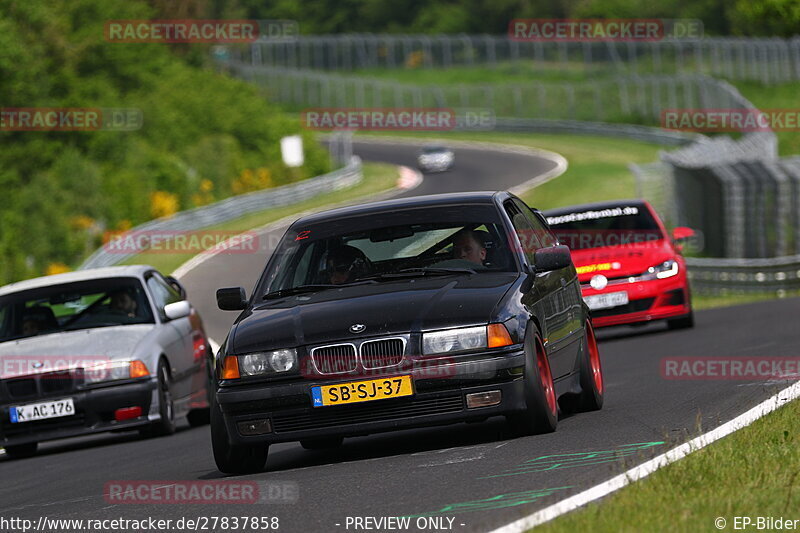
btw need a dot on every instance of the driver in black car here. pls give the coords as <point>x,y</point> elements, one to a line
<point>470,245</point>
<point>345,264</point>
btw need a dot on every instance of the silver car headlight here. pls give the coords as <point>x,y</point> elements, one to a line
<point>260,363</point>
<point>114,371</point>
<point>667,269</point>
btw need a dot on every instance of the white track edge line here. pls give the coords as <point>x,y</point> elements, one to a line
<point>645,469</point>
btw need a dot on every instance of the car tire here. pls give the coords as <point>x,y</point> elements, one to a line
<point>541,405</point>
<point>234,459</point>
<point>683,322</point>
<point>21,451</point>
<point>326,443</point>
<point>592,382</point>
<point>166,406</point>
<point>201,417</point>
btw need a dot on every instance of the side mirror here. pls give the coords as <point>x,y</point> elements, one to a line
<point>177,310</point>
<point>231,299</point>
<point>175,284</point>
<point>682,232</point>
<point>552,258</point>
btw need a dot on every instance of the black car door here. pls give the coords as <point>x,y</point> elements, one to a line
<point>545,298</point>
<point>567,324</point>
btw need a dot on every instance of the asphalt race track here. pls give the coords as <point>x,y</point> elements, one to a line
<point>474,474</point>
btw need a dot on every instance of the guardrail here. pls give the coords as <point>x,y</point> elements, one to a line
<point>779,275</point>
<point>606,129</point>
<point>237,207</point>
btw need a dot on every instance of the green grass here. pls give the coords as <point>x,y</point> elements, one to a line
<point>503,73</point>
<point>378,177</point>
<point>700,301</point>
<point>753,472</point>
<point>784,96</point>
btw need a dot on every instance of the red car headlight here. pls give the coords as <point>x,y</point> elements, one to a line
<point>667,269</point>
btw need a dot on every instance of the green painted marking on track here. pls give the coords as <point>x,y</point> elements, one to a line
<point>575,460</point>
<point>501,501</point>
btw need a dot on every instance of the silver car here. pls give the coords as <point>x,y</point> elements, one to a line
<point>99,350</point>
<point>435,159</point>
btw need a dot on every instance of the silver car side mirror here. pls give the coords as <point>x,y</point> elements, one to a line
<point>177,310</point>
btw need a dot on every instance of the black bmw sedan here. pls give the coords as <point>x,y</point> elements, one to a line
<point>404,313</point>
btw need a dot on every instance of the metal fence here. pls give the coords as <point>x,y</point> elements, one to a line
<point>769,60</point>
<point>625,99</point>
<point>236,207</point>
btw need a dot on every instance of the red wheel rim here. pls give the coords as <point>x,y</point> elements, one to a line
<point>594,358</point>
<point>545,377</point>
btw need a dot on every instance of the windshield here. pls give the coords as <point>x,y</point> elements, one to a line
<point>430,241</point>
<point>433,149</point>
<point>596,228</point>
<point>71,306</point>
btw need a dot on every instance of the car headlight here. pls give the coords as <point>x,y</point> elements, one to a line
<point>465,339</point>
<point>260,363</point>
<point>115,370</point>
<point>667,269</point>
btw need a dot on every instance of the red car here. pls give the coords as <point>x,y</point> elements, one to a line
<point>630,269</point>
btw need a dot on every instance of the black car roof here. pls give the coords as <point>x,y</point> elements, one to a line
<point>637,202</point>
<point>482,197</point>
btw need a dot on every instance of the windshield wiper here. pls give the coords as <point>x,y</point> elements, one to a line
<point>422,272</point>
<point>75,327</point>
<point>300,289</point>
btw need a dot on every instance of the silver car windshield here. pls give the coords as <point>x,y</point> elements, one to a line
<point>71,306</point>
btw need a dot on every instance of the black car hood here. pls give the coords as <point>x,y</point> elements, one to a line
<point>384,308</point>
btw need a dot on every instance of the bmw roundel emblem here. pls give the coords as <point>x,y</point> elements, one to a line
<point>357,328</point>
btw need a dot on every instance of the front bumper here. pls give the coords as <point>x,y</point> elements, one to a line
<point>94,413</point>
<point>435,166</point>
<point>647,300</point>
<point>437,401</point>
